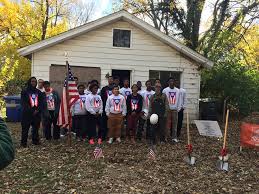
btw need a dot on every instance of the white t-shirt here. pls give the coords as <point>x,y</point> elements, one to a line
<point>78,108</point>
<point>94,104</point>
<point>146,98</point>
<point>173,98</point>
<point>125,92</point>
<point>116,105</point>
<point>182,98</point>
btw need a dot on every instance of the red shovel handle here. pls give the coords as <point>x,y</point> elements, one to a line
<point>223,152</point>
<point>189,148</point>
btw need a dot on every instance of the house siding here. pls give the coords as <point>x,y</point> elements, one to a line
<point>94,49</point>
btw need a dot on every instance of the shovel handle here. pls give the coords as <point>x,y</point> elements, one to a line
<point>226,128</point>
<point>188,128</point>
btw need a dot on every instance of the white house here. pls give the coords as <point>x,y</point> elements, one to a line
<point>118,44</point>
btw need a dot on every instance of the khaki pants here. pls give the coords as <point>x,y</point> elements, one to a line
<point>172,119</point>
<point>114,125</point>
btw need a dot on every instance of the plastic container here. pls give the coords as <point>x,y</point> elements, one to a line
<point>13,108</point>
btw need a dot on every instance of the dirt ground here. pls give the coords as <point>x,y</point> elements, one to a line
<point>55,168</point>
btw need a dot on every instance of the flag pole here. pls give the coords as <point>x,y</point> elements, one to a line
<point>67,99</point>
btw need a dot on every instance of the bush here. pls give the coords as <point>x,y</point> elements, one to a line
<point>234,81</point>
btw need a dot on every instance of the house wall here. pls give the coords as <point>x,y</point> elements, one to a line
<point>94,49</point>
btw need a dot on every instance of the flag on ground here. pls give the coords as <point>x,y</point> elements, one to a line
<point>70,94</point>
<point>98,152</point>
<point>151,154</point>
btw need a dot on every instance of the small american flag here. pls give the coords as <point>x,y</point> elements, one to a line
<point>69,87</point>
<point>151,154</point>
<point>98,152</point>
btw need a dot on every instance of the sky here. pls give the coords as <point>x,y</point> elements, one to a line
<point>105,6</point>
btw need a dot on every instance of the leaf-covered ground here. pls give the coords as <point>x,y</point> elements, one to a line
<point>55,168</point>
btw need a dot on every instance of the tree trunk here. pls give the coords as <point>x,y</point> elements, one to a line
<point>45,21</point>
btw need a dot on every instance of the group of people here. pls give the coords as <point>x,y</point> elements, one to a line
<point>107,113</point>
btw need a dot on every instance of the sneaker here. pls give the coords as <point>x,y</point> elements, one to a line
<point>175,140</point>
<point>118,140</point>
<point>110,141</point>
<point>91,142</point>
<point>99,141</point>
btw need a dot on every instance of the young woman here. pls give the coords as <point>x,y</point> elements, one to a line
<point>115,110</point>
<point>32,101</point>
<point>94,106</point>
<point>79,114</point>
<point>134,107</point>
<point>53,103</point>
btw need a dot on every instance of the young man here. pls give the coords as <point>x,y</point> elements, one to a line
<point>105,93</point>
<point>40,85</point>
<point>79,114</point>
<point>172,94</point>
<point>53,104</point>
<point>76,80</point>
<point>94,106</point>
<point>158,105</point>
<point>87,89</point>
<point>115,110</point>
<point>134,107</point>
<point>116,81</point>
<point>125,90</point>
<point>7,151</point>
<point>182,104</point>
<point>139,84</point>
<point>146,95</point>
<point>32,101</point>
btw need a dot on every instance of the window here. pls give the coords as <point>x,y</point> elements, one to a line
<point>163,76</point>
<point>121,38</point>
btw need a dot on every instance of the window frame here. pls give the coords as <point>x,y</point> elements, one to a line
<point>171,72</point>
<point>117,47</point>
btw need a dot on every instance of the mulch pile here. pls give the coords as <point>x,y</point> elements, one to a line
<point>55,168</point>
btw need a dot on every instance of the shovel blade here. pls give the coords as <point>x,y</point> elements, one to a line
<point>190,160</point>
<point>223,165</point>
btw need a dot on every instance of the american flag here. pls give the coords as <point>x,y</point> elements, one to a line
<point>151,154</point>
<point>69,88</point>
<point>98,152</point>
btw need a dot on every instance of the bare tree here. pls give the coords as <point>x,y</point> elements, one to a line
<point>81,12</point>
<point>174,18</point>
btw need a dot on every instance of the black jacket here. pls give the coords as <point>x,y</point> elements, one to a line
<point>104,95</point>
<point>25,101</point>
<point>134,99</point>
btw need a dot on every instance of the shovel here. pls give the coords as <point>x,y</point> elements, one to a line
<point>222,163</point>
<point>189,159</point>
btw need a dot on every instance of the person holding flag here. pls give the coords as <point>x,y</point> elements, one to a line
<point>51,116</point>
<point>134,108</point>
<point>115,110</point>
<point>172,94</point>
<point>70,95</point>
<point>79,114</point>
<point>146,95</point>
<point>94,106</point>
<point>32,102</point>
